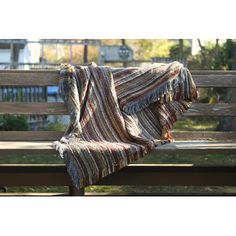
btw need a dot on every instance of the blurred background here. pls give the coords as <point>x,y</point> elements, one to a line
<point>208,54</point>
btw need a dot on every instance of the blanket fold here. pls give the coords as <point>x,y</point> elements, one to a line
<point>118,117</point>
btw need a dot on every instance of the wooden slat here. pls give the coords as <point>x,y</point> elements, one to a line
<point>30,135</point>
<point>39,147</point>
<point>56,135</point>
<point>28,77</point>
<point>202,135</point>
<point>217,72</point>
<point>50,77</point>
<point>34,175</point>
<point>197,147</point>
<point>215,80</point>
<point>172,175</point>
<point>181,175</point>
<point>51,108</point>
<point>37,108</point>
<point>219,109</point>
<point>182,147</point>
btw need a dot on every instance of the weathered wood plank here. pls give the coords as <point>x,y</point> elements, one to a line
<point>181,175</point>
<point>28,77</point>
<point>218,109</point>
<point>30,135</point>
<point>197,147</point>
<point>36,108</point>
<point>215,80</point>
<point>217,72</point>
<point>186,147</point>
<point>56,135</point>
<point>50,77</point>
<point>39,147</point>
<point>51,108</point>
<point>203,135</point>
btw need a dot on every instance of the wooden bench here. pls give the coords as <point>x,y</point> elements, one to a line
<point>40,142</point>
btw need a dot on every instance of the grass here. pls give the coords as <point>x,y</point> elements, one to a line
<point>196,124</point>
<point>187,124</point>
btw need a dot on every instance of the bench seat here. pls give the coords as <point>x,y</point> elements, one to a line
<point>188,142</point>
<point>190,146</point>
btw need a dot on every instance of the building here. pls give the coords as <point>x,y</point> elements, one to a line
<point>17,53</point>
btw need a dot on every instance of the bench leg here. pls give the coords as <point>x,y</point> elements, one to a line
<point>3,189</point>
<point>73,191</point>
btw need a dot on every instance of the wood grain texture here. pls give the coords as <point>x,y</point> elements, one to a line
<point>197,147</point>
<point>203,79</point>
<point>51,108</point>
<point>219,109</point>
<point>188,147</point>
<point>215,80</point>
<point>29,77</point>
<point>56,135</point>
<point>203,135</point>
<point>20,147</point>
<point>36,108</point>
<point>30,135</point>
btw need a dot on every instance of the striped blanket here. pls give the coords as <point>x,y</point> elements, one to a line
<point>118,116</point>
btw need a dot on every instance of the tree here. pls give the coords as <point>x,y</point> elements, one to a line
<point>213,56</point>
<point>145,49</point>
<point>181,50</point>
<point>85,56</point>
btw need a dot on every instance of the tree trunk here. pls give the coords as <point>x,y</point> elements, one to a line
<point>181,48</point>
<point>85,51</point>
<point>125,64</point>
<point>204,59</point>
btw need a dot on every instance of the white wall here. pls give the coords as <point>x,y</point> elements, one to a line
<point>5,55</point>
<point>30,54</point>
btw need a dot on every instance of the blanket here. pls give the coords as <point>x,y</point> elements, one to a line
<point>119,115</point>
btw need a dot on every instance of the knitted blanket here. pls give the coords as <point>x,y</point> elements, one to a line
<point>118,116</point>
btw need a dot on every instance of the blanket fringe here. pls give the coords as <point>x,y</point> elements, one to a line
<point>60,148</point>
<point>165,89</point>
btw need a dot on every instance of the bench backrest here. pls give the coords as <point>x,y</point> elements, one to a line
<point>20,78</point>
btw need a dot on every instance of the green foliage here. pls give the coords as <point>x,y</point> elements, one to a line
<point>175,50</point>
<point>9,122</point>
<point>57,126</point>
<point>196,124</point>
<point>214,57</point>
<point>144,49</point>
